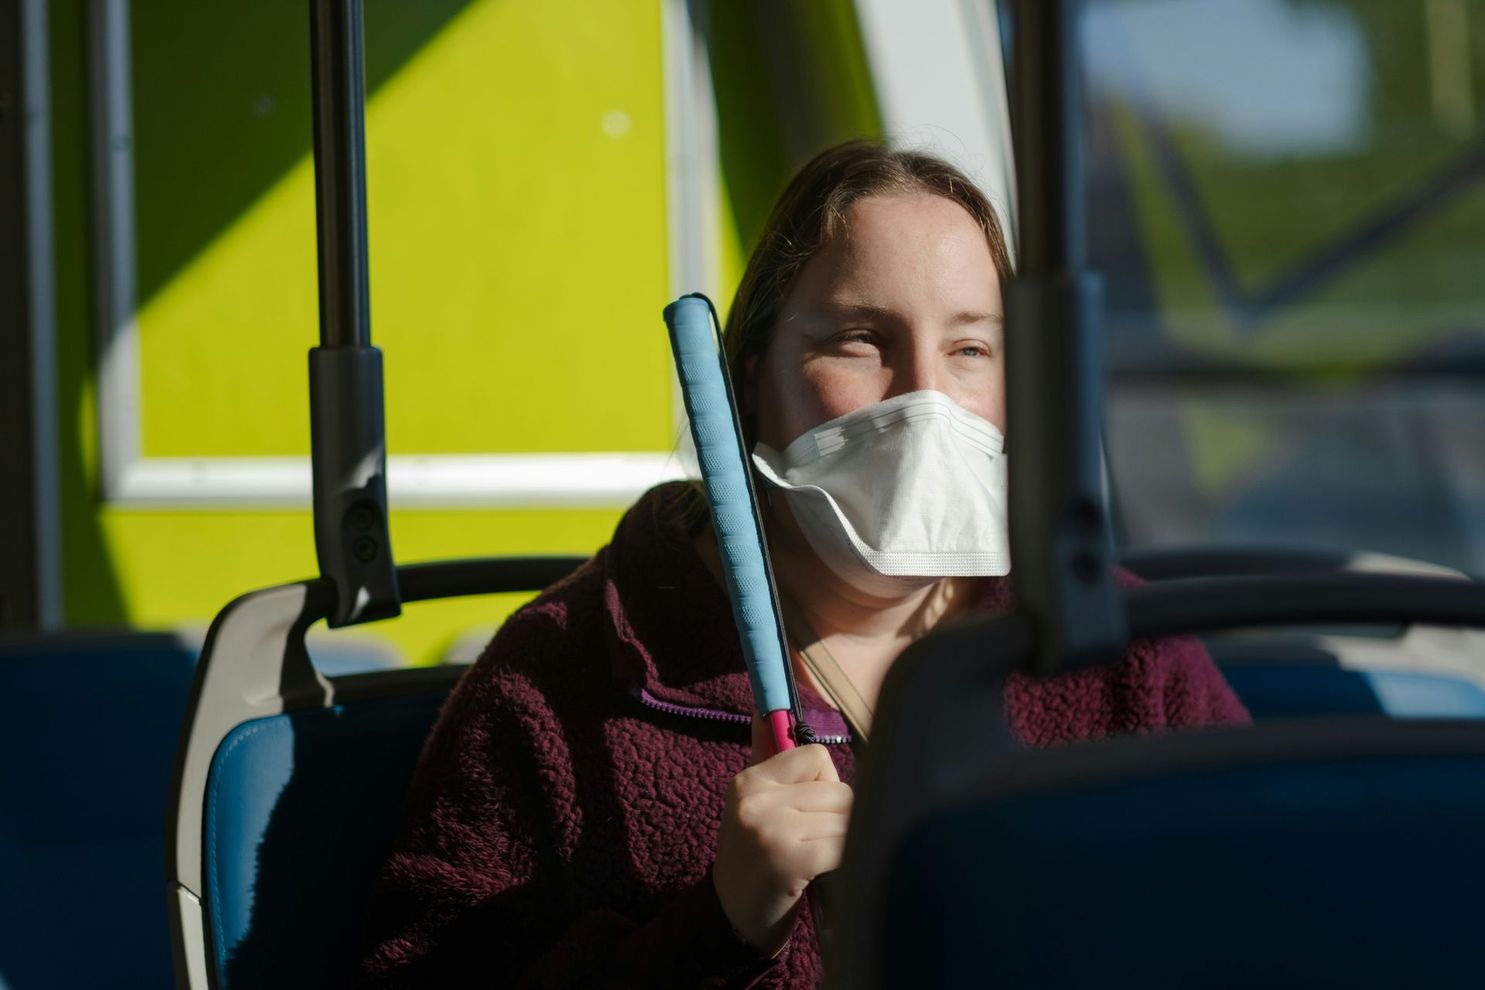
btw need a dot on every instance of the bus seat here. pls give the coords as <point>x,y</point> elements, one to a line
<point>301,811</point>
<point>1235,867</point>
<point>1291,675</point>
<point>289,785</point>
<point>1280,691</point>
<point>1404,672</point>
<point>89,736</point>
<point>333,654</point>
<point>1325,851</point>
<point>338,655</point>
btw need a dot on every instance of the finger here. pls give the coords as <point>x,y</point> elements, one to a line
<point>772,817</point>
<point>817,796</point>
<point>800,764</point>
<point>802,827</point>
<point>802,861</point>
<point>813,857</point>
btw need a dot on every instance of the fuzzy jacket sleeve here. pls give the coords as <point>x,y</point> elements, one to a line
<point>479,891</point>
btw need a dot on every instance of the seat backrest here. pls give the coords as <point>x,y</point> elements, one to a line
<point>88,736</point>
<point>1284,690</point>
<point>1407,671</point>
<point>1358,871</point>
<point>301,811</point>
<point>1340,851</point>
<point>289,785</point>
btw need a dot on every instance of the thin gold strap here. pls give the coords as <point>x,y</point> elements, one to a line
<point>837,685</point>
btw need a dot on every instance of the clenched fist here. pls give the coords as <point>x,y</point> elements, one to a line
<point>784,824</point>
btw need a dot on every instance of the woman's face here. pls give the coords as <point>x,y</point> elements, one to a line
<point>904,298</point>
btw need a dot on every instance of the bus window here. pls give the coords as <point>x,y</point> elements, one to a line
<point>1286,199</point>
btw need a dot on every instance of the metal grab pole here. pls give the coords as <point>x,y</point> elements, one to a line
<point>340,172</point>
<point>347,420</point>
<point>1046,117</point>
<point>1062,567</point>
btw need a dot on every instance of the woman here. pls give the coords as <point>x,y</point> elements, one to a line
<point>592,807</point>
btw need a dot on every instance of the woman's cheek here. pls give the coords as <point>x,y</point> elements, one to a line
<point>836,388</point>
<point>822,390</point>
<point>786,410</point>
<point>987,399</point>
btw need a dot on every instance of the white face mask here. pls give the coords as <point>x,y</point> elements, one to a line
<point>896,495</point>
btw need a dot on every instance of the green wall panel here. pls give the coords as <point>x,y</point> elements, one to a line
<point>516,172</point>
<point>517,228</point>
<point>518,258</point>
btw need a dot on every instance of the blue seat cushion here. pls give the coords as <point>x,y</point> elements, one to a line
<point>1283,690</point>
<point>301,810</point>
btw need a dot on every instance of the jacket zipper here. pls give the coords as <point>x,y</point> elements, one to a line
<point>716,715</point>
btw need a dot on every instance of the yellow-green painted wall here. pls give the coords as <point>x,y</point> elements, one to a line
<point>516,178</point>
<point>516,167</point>
<point>516,173</point>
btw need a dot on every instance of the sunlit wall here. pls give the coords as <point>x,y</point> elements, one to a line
<point>520,165</point>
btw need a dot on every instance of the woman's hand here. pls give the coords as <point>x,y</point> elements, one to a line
<point>784,824</point>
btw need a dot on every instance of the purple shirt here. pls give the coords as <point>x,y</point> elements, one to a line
<point>562,823</point>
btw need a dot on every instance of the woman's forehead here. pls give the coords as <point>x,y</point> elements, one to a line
<point>906,248</point>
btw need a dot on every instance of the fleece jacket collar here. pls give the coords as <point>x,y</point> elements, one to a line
<point>663,612</point>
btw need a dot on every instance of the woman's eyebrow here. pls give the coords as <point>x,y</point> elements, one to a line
<point>865,311</point>
<point>855,311</point>
<point>829,314</point>
<point>969,317</point>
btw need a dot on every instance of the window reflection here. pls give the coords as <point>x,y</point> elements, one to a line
<point>1287,198</point>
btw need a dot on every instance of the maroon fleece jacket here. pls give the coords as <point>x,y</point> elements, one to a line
<point>563,820</point>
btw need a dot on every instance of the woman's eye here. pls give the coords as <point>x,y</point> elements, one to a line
<point>856,338</point>
<point>972,351</point>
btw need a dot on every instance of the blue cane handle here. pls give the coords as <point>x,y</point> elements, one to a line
<point>707,390</point>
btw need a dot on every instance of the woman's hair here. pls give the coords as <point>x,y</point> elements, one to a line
<point>810,212</point>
